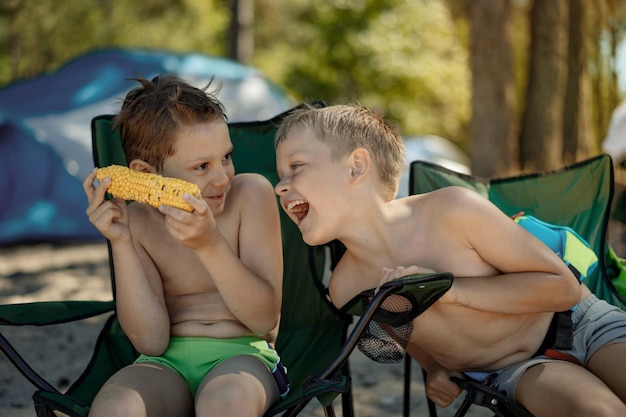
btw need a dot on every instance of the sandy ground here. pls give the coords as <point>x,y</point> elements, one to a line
<point>80,271</point>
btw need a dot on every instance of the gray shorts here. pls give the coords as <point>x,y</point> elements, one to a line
<point>596,324</point>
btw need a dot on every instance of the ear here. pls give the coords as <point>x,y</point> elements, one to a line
<point>141,166</point>
<point>359,164</point>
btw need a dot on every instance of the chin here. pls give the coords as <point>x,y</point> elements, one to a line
<point>216,211</point>
<point>313,240</point>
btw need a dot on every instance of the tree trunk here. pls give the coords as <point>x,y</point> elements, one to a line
<point>577,133</point>
<point>541,138</point>
<point>493,87</point>
<point>241,31</point>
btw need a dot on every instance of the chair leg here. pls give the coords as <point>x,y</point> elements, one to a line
<point>462,410</point>
<point>347,401</point>
<point>43,411</point>
<point>407,386</point>
<point>329,411</point>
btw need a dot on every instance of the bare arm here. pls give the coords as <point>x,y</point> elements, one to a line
<point>139,293</point>
<point>140,301</point>
<point>439,388</point>
<point>250,282</point>
<point>528,276</point>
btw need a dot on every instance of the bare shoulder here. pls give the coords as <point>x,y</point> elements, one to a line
<point>453,201</point>
<point>253,194</point>
<point>342,286</point>
<point>251,185</point>
<point>454,195</point>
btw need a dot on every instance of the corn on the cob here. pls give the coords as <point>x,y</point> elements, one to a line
<point>148,188</point>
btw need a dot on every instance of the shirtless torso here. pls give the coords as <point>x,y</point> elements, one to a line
<point>194,305</point>
<point>497,312</point>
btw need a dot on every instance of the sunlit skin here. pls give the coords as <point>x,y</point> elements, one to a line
<point>203,157</point>
<point>507,283</point>
<point>200,273</point>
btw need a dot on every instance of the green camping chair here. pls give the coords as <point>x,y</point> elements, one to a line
<point>578,196</point>
<point>313,340</point>
<point>312,331</point>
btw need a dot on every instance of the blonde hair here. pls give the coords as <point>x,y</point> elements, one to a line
<point>347,127</point>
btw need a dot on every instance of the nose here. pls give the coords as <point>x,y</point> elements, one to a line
<point>220,177</point>
<point>281,187</point>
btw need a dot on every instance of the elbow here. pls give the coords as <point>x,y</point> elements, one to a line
<point>574,298</point>
<point>571,295</point>
<point>265,327</point>
<point>149,345</point>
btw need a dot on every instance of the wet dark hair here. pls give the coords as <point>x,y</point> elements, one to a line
<point>154,112</point>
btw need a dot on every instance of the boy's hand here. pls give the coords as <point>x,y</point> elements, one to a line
<point>193,229</point>
<point>439,388</point>
<point>110,217</point>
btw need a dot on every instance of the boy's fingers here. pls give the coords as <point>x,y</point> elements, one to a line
<point>88,185</point>
<point>100,190</point>
<point>195,203</point>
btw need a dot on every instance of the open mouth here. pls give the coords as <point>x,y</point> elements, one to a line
<point>298,208</point>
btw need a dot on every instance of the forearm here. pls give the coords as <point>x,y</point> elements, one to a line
<point>250,298</point>
<point>141,311</point>
<point>516,293</point>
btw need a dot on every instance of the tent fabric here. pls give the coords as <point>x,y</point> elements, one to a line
<point>45,138</point>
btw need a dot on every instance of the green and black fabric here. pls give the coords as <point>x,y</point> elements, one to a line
<point>311,332</point>
<point>578,196</point>
<point>389,329</point>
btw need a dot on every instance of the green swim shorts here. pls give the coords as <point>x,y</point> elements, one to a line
<point>193,357</point>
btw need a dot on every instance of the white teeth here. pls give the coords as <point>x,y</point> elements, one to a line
<point>293,204</point>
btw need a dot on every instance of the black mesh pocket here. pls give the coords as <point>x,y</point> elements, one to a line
<point>387,335</point>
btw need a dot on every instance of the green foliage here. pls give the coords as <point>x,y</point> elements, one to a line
<point>408,58</point>
<point>39,36</point>
<point>403,57</point>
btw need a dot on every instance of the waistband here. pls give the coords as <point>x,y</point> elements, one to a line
<point>581,308</point>
<point>560,334</point>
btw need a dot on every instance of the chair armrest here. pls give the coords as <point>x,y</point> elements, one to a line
<point>42,314</point>
<point>423,289</point>
<point>52,312</point>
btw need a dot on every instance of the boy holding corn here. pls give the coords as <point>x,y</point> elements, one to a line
<point>339,170</point>
<point>197,295</point>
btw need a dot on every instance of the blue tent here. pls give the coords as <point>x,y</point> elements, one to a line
<point>45,137</point>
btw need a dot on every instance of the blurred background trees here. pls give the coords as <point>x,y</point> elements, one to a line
<point>518,84</point>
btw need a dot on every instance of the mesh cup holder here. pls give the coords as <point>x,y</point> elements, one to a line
<point>388,333</point>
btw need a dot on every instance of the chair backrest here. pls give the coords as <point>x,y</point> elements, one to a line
<point>578,196</point>
<point>311,330</point>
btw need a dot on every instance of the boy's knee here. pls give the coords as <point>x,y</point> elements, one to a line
<point>117,407</point>
<point>612,408</point>
<point>231,405</point>
<point>227,400</point>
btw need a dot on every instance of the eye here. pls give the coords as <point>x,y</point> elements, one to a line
<point>295,166</point>
<point>203,166</point>
<point>228,157</point>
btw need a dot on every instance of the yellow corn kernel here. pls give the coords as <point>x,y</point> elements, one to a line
<point>148,188</point>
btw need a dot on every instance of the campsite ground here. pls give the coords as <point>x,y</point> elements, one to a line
<point>60,352</point>
<point>80,271</point>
